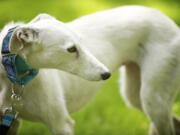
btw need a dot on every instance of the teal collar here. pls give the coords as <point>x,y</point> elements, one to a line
<point>18,71</point>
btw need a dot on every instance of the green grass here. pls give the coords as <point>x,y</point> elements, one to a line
<point>105,115</point>
<point>108,115</point>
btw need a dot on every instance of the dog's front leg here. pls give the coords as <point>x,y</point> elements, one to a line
<point>57,119</point>
<point>59,123</point>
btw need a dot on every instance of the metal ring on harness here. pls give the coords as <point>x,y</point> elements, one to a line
<point>19,73</point>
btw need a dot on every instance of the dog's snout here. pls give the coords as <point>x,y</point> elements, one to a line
<point>105,75</point>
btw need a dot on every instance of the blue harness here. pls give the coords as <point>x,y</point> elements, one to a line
<point>18,71</point>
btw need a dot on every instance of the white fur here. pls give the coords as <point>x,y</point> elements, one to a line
<point>142,39</point>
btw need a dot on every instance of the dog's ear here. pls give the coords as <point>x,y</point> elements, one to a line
<point>23,37</point>
<point>41,17</point>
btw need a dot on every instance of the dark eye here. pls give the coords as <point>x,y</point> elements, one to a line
<point>72,49</point>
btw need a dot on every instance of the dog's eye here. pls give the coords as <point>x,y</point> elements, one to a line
<point>72,49</point>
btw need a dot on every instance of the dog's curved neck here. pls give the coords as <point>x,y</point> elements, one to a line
<point>5,83</point>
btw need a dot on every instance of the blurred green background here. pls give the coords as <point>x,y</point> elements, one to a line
<point>107,114</point>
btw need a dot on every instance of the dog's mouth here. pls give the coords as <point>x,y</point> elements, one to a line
<point>99,77</point>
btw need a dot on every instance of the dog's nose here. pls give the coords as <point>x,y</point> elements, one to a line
<point>105,75</point>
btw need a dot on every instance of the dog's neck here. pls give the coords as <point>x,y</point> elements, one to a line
<point>5,92</point>
<point>3,33</point>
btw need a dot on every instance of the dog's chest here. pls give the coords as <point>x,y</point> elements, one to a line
<point>77,91</point>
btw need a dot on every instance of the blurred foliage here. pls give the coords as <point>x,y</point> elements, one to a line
<point>66,10</point>
<point>107,114</point>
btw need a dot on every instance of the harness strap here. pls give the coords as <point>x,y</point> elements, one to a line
<point>6,123</point>
<point>6,41</point>
<point>18,72</point>
<point>17,69</point>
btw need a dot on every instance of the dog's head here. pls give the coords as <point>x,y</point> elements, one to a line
<point>48,43</point>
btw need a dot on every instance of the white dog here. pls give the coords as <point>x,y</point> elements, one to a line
<point>142,40</point>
